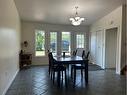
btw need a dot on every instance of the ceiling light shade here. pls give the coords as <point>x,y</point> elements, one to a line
<point>76,20</point>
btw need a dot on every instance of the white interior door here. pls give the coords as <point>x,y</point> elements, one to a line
<point>93,47</point>
<point>99,48</point>
<point>110,50</point>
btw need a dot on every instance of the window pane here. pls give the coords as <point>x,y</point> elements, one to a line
<point>53,42</point>
<point>66,44</point>
<point>40,43</point>
<point>80,40</point>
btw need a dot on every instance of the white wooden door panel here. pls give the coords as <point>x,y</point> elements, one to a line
<point>99,48</point>
<point>93,47</point>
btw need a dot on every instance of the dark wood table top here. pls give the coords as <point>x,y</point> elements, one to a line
<point>71,58</point>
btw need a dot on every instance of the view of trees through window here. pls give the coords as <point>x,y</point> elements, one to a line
<point>40,43</point>
<point>66,42</point>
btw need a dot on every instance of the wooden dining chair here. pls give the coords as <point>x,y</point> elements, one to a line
<point>56,67</point>
<point>79,67</point>
<point>49,65</point>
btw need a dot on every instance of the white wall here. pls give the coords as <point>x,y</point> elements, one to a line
<point>113,19</point>
<point>123,42</point>
<point>28,33</point>
<point>9,43</point>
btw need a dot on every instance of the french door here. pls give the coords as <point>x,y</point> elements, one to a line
<point>60,42</point>
<point>99,48</point>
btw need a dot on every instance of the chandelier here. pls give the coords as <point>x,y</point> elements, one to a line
<point>76,20</point>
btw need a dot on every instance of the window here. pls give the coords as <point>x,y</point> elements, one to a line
<point>66,44</point>
<point>53,42</point>
<point>80,41</point>
<point>40,43</point>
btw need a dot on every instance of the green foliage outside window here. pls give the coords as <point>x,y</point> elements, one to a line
<point>40,40</point>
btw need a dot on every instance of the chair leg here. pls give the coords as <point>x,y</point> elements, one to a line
<point>49,70</point>
<point>65,78</point>
<point>62,76</point>
<point>53,76</point>
<point>68,69</point>
<point>84,73</point>
<point>74,77</point>
<point>81,73</point>
<point>71,72</point>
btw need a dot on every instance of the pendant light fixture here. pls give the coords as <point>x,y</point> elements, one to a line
<point>77,20</point>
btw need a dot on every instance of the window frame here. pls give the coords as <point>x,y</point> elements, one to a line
<point>84,39</point>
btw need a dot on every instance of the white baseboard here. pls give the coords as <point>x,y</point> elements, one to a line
<point>9,84</point>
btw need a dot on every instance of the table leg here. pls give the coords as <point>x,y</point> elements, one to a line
<point>58,78</point>
<point>86,72</point>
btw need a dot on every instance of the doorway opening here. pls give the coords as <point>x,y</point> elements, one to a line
<point>111,48</point>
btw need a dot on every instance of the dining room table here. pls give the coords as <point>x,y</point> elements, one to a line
<point>60,60</point>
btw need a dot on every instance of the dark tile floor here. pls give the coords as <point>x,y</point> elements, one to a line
<point>36,81</point>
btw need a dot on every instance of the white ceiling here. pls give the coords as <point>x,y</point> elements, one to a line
<point>59,11</point>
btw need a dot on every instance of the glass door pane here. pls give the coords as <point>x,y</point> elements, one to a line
<point>53,42</point>
<point>80,41</point>
<point>66,43</point>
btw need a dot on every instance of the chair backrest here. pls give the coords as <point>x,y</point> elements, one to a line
<point>74,52</point>
<point>79,52</point>
<point>50,56</point>
<point>83,53</point>
<point>87,55</point>
<point>48,51</point>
